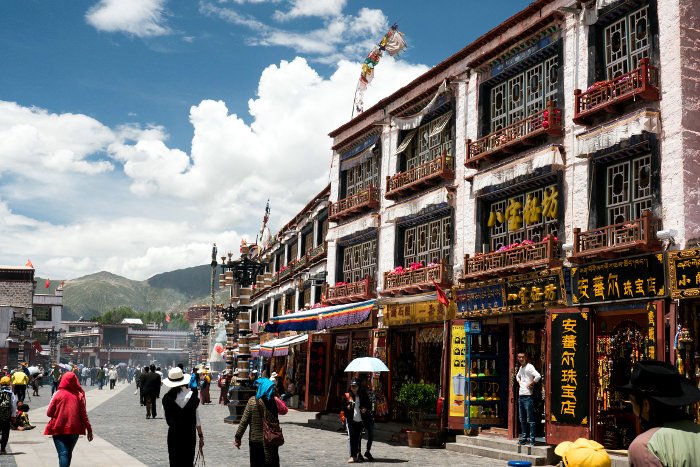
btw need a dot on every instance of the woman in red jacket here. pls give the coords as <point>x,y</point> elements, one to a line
<point>69,419</point>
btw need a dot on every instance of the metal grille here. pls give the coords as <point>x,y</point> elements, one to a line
<point>626,42</point>
<point>428,243</point>
<point>628,189</point>
<point>359,261</point>
<point>505,228</point>
<point>524,94</point>
<point>424,147</point>
<point>362,176</point>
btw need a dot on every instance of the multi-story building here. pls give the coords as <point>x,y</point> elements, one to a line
<point>544,170</point>
<point>16,292</point>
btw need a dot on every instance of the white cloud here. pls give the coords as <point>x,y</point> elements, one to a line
<point>142,18</point>
<point>302,8</point>
<point>160,208</point>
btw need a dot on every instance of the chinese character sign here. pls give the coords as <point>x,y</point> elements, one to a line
<point>569,367</point>
<point>458,372</point>
<point>634,278</point>
<point>684,273</point>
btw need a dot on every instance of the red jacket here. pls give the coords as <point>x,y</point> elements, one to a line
<point>67,409</point>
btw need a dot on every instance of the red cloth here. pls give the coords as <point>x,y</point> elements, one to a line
<point>67,409</point>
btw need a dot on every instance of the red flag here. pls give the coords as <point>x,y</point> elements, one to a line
<point>48,283</point>
<point>167,317</point>
<point>29,264</point>
<point>442,298</point>
<point>37,346</point>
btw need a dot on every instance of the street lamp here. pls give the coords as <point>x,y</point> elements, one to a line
<point>241,272</point>
<point>109,354</point>
<point>54,338</point>
<point>204,329</point>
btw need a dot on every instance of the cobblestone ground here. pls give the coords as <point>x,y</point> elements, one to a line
<point>122,422</point>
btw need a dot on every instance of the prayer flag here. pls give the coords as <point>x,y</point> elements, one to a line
<point>442,298</point>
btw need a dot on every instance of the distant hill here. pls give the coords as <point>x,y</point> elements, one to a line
<point>92,295</point>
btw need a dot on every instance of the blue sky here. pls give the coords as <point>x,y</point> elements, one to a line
<point>134,133</point>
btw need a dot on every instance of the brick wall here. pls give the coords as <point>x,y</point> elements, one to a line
<point>17,294</point>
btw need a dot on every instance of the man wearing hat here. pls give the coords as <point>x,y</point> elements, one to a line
<point>583,453</point>
<point>180,406</point>
<point>659,395</point>
<point>8,412</point>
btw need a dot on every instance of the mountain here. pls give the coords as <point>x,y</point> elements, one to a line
<point>92,295</point>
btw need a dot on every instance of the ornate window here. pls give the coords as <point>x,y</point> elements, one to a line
<point>305,297</point>
<point>278,307</point>
<point>628,189</point>
<point>362,176</point>
<point>322,230</point>
<point>289,302</point>
<point>524,94</point>
<point>308,240</point>
<point>428,243</point>
<point>42,312</point>
<point>293,251</point>
<point>531,215</point>
<point>626,42</point>
<point>359,261</point>
<point>429,141</point>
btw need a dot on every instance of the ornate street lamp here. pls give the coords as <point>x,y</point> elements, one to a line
<point>204,329</point>
<point>54,338</point>
<point>239,275</point>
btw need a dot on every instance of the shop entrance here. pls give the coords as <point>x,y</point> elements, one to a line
<point>529,338</point>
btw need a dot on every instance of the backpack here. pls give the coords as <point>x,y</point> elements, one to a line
<point>5,406</point>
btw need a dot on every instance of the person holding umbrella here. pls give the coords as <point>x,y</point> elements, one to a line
<point>180,408</point>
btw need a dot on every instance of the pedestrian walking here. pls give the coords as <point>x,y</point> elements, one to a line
<point>142,382</point>
<point>137,378</point>
<point>20,379</point>
<point>224,383</point>
<point>85,373</point>
<point>55,377</point>
<point>526,377</point>
<point>100,378</point>
<point>69,419</point>
<point>659,397</point>
<point>357,408</point>
<point>261,406</point>
<point>112,377</point>
<point>182,416</point>
<point>151,391</point>
<point>8,412</point>
<point>205,383</point>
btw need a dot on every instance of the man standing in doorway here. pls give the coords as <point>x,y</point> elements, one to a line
<point>527,376</point>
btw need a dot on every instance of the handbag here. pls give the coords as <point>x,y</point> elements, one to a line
<point>281,406</point>
<point>272,431</point>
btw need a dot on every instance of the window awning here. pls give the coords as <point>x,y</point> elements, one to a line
<point>406,141</point>
<point>441,123</point>
<point>322,318</point>
<point>277,347</point>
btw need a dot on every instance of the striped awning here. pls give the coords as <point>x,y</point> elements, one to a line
<point>322,318</point>
<point>277,347</point>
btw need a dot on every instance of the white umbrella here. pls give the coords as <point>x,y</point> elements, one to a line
<point>33,370</point>
<point>366,365</point>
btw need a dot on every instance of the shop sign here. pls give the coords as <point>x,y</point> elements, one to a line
<point>472,327</point>
<point>458,376</point>
<point>479,301</point>
<point>414,313</point>
<point>535,290</point>
<point>632,278</point>
<point>317,368</point>
<point>569,377</point>
<point>684,273</point>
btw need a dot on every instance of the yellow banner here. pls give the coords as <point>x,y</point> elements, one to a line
<point>458,377</point>
<point>415,313</point>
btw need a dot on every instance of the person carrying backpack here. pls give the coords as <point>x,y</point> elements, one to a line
<point>8,412</point>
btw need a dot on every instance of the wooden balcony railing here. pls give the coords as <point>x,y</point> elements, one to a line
<point>300,263</point>
<point>417,178</point>
<point>347,207</point>
<point>419,280</point>
<point>638,234</point>
<point>317,253</point>
<point>607,95</point>
<point>352,292</point>
<point>275,278</point>
<point>286,272</point>
<point>531,256</point>
<point>514,136</point>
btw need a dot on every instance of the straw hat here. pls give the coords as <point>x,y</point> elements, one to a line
<point>583,453</point>
<point>176,378</point>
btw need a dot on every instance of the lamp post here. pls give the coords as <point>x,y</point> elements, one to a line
<point>205,328</point>
<point>109,354</point>
<point>239,274</point>
<point>20,324</point>
<point>54,338</point>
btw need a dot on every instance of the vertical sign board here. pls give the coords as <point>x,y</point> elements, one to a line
<point>458,378</point>
<point>568,380</point>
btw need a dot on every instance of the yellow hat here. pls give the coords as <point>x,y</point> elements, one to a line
<point>5,381</point>
<point>582,452</point>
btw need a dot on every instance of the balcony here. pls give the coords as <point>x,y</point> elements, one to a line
<point>275,278</point>
<point>607,96</point>
<point>415,281</point>
<point>317,253</point>
<point>515,136</point>
<point>349,293</point>
<point>610,241</point>
<point>524,257</point>
<point>300,263</point>
<point>365,200</point>
<point>286,271</point>
<point>417,178</point>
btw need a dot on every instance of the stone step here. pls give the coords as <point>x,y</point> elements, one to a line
<point>493,453</point>
<point>503,444</point>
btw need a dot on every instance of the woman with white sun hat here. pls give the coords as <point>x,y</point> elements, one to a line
<point>180,408</point>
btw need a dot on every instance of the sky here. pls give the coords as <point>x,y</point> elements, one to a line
<point>136,133</point>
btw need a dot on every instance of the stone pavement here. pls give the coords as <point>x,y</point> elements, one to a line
<point>123,436</point>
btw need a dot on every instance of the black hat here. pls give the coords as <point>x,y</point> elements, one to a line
<point>661,382</point>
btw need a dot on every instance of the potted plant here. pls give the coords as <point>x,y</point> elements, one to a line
<point>419,398</point>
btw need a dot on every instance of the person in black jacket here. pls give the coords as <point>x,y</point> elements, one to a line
<point>358,410</point>
<point>181,414</point>
<point>151,391</point>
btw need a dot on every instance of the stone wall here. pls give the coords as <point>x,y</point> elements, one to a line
<point>17,294</point>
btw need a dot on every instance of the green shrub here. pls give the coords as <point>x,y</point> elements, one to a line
<point>419,398</point>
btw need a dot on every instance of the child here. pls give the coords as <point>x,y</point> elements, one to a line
<point>21,423</point>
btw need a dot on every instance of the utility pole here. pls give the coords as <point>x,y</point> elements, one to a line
<point>211,305</point>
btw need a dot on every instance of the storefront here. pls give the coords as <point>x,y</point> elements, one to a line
<point>622,313</point>
<point>684,286</point>
<point>416,344</point>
